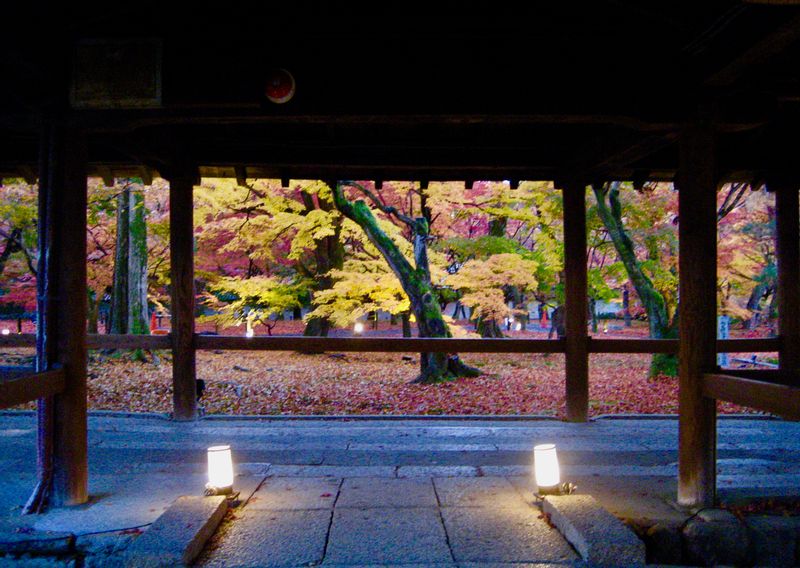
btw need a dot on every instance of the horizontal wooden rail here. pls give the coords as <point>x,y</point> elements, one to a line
<point>16,390</point>
<point>379,344</point>
<point>768,344</point>
<point>780,399</point>
<point>121,341</point>
<point>18,340</point>
<point>766,375</point>
<point>299,343</point>
<point>633,345</point>
<point>762,345</point>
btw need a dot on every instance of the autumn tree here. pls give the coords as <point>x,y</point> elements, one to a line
<point>415,278</point>
<point>257,227</point>
<point>500,219</point>
<point>253,301</point>
<point>18,247</point>
<point>642,272</point>
<point>483,282</point>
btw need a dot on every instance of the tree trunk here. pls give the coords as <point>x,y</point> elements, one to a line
<point>138,320</point>
<point>488,328</point>
<point>653,302</point>
<point>406,318</point>
<point>593,313</point>
<point>754,305</point>
<point>129,295</point>
<point>329,255</point>
<point>118,318</point>
<point>626,305</point>
<point>93,310</point>
<point>10,248</point>
<point>416,282</point>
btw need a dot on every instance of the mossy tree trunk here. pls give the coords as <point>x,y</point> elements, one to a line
<point>415,280</point>
<point>609,210</point>
<point>129,295</point>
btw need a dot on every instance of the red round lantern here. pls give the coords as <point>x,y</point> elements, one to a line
<point>280,86</point>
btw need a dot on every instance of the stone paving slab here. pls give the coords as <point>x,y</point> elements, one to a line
<point>332,471</point>
<point>179,535</point>
<point>437,471</point>
<point>477,492</point>
<point>388,536</point>
<point>596,534</point>
<point>295,494</point>
<point>261,538</point>
<point>390,493</point>
<point>508,534</point>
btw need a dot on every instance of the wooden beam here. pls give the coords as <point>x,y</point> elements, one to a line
<point>633,345</point>
<point>184,373</point>
<point>114,341</point>
<point>783,400</point>
<point>18,340</point>
<point>697,185</point>
<point>760,52</point>
<point>61,334</point>
<point>765,375</point>
<point>18,390</point>
<point>762,345</point>
<point>576,302</point>
<point>378,344</point>
<point>107,175</point>
<point>787,205</point>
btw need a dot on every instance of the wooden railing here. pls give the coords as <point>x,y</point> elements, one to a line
<point>776,395</point>
<point>16,388</point>
<point>395,344</point>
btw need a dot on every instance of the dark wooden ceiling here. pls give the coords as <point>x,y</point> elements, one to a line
<point>427,91</point>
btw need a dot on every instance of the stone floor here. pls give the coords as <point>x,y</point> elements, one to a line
<point>388,492</point>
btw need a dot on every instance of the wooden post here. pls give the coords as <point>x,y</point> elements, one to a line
<point>184,373</point>
<point>576,320</point>
<point>787,223</point>
<point>61,333</point>
<point>697,185</point>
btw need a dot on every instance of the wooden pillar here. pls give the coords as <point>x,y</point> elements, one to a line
<point>697,191</point>
<point>576,303</point>
<point>787,223</point>
<point>61,333</point>
<point>181,228</point>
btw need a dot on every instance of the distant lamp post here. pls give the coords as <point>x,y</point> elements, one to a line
<point>547,471</point>
<point>358,328</point>
<point>220,471</point>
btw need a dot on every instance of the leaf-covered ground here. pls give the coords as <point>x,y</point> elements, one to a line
<point>269,383</point>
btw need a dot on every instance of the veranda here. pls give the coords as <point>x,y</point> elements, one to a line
<point>130,107</point>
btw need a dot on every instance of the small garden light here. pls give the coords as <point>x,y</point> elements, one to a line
<point>358,329</point>
<point>6,331</point>
<point>547,471</point>
<point>518,327</point>
<point>220,471</point>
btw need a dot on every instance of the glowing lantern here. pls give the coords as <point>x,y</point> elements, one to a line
<point>545,467</point>
<point>358,329</point>
<point>6,331</point>
<point>220,470</point>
